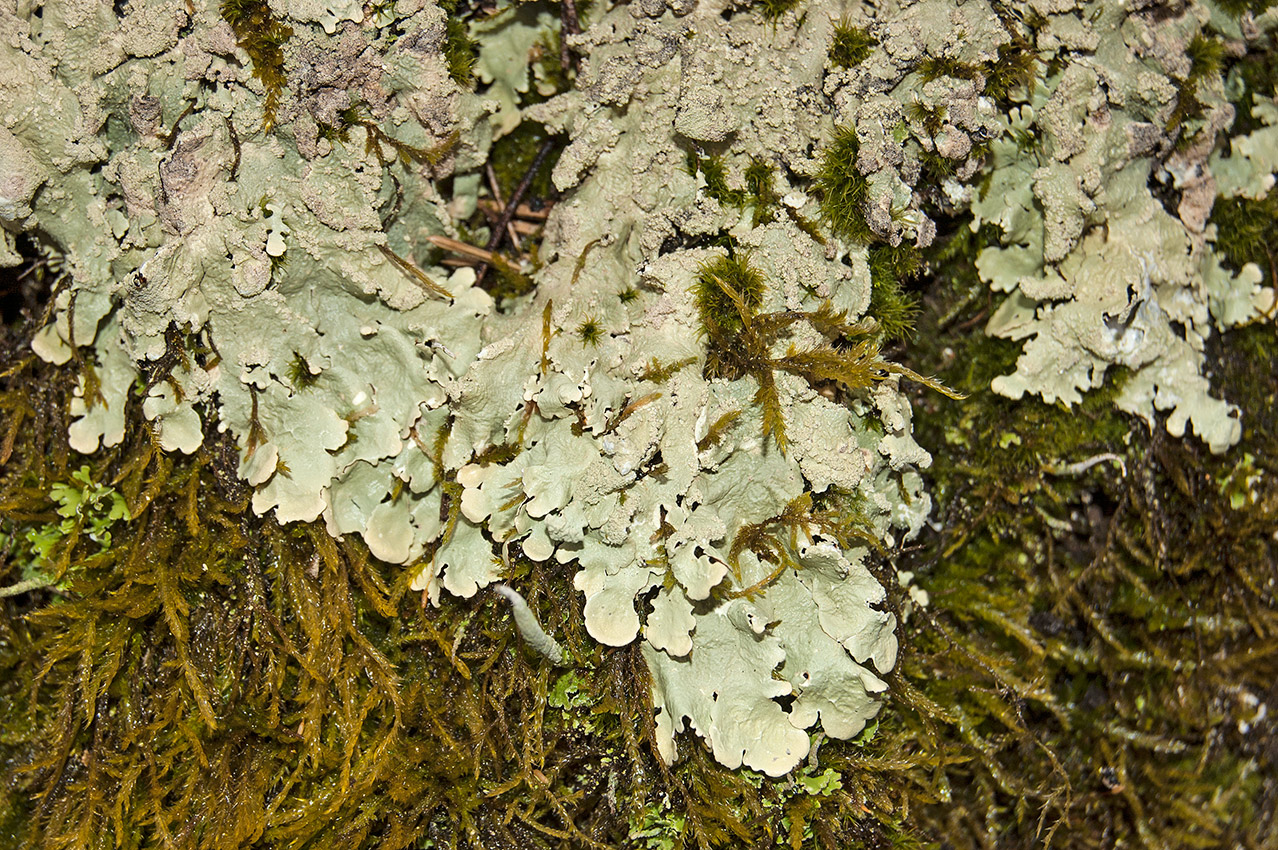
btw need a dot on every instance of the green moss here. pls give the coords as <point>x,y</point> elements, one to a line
<point>1013,69</point>
<point>509,281</point>
<point>460,52</point>
<point>1249,79</point>
<point>894,309</point>
<point>759,195</point>
<point>1247,232</point>
<point>514,153</point>
<point>851,44</point>
<point>278,687</point>
<point>1238,8</point>
<point>262,36</point>
<point>590,332</point>
<point>300,374</point>
<point>843,189</point>
<point>931,117</point>
<point>725,287</point>
<point>715,174</point>
<point>740,341</point>
<point>763,198</point>
<point>1206,57</point>
<point>935,67</point>
<point>1079,655</point>
<point>774,9</point>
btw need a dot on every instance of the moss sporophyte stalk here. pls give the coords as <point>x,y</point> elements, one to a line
<point>327,325</point>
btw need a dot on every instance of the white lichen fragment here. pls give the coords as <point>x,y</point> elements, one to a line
<point>529,629</point>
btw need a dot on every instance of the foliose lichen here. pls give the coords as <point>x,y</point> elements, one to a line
<point>250,221</point>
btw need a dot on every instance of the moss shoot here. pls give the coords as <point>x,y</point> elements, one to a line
<point>843,189</point>
<point>851,44</point>
<point>262,36</point>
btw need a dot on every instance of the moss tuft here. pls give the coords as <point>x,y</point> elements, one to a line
<point>725,288</point>
<point>1206,58</point>
<point>935,67</point>
<point>851,45</point>
<point>774,9</point>
<point>843,189</point>
<point>1013,69</point>
<point>1247,232</point>
<point>300,374</point>
<point>590,332</point>
<point>460,52</point>
<point>740,342</point>
<point>759,194</point>
<point>262,36</point>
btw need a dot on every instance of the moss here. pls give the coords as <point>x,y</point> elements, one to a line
<point>1013,69</point>
<point>278,687</point>
<point>1252,77</point>
<point>758,195</point>
<point>931,117</point>
<point>1206,57</point>
<point>935,67</point>
<point>460,52</point>
<point>725,287</point>
<point>300,374</point>
<point>1247,231</point>
<point>851,44</point>
<point>509,281</point>
<point>763,197</point>
<point>514,153</point>
<point>774,9</point>
<point>1238,8</point>
<point>1078,656</point>
<point>589,331</point>
<point>1080,676</point>
<point>740,341</point>
<point>893,308</point>
<point>262,36</point>
<point>843,189</point>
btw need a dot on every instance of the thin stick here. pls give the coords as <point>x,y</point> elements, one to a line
<point>470,252</point>
<point>569,24</point>
<point>496,190</point>
<point>522,213</point>
<point>494,241</point>
<point>512,204</point>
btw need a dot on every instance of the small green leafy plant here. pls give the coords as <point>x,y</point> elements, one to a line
<point>87,510</point>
